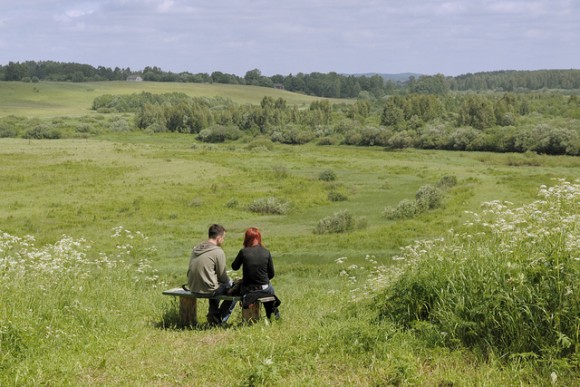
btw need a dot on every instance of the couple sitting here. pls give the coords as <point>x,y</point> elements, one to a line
<point>207,274</point>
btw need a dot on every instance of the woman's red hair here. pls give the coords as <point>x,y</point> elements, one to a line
<point>252,236</point>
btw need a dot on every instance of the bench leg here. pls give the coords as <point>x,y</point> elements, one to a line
<point>252,314</point>
<point>187,311</point>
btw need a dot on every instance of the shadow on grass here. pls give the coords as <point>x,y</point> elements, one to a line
<point>170,321</point>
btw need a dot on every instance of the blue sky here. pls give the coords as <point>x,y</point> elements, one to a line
<point>286,37</point>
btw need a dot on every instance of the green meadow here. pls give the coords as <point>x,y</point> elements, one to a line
<point>94,229</point>
<point>54,99</point>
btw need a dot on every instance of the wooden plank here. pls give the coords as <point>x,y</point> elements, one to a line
<point>180,292</point>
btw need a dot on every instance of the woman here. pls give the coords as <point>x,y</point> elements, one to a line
<point>258,270</point>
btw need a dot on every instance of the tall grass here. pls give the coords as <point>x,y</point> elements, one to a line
<point>60,299</point>
<point>509,284</point>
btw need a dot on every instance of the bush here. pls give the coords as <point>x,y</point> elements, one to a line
<point>428,197</point>
<point>507,285</point>
<point>327,175</point>
<point>156,128</point>
<point>270,205</point>
<point>261,143</point>
<point>280,172</point>
<point>335,196</point>
<point>6,131</point>
<point>447,182</point>
<point>338,223</point>
<point>119,124</point>
<point>327,140</point>
<point>404,210</point>
<point>219,133</point>
<point>40,132</point>
<point>232,203</point>
<point>293,135</point>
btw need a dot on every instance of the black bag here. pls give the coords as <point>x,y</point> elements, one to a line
<point>236,288</point>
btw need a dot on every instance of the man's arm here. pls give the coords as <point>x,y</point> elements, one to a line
<point>220,268</point>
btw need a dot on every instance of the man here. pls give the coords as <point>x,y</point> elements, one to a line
<point>207,274</point>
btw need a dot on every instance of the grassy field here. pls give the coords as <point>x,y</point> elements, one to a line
<point>88,310</point>
<point>52,99</point>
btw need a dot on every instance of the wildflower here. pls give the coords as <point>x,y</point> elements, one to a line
<point>340,260</point>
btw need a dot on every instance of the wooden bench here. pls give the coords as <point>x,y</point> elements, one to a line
<point>188,305</point>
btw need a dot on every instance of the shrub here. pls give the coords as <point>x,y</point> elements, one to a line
<point>404,210</point>
<point>428,197</point>
<point>119,124</point>
<point>400,140</point>
<point>290,134</point>
<point>269,205</point>
<point>327,175</point>
<point>447,182</point>
<point>6,131</point>
<point>327,140</point>
<point>261,143</point>
<point>40,132</point>
<point>156,128</point>
<point>232,203</point>
<point>338,223</point>
<point>219,133</point>
<point>507,285</point>
<point>335,196</point>
<point>280,172</point>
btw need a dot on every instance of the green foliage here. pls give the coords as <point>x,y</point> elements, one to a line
<point>232,203</point>
<point>280,172</point>
<point>292,134</point>
<point>40,132</point>
<point>81,291</point>
<point>436,84</point>
<point>336,196</point>
<point>7,131</point>
<point>339,222</point>
<point>327,175</point>
<point>428,197</point>
<point>447,181</point>
<point>270,205</point>
<point>219,133</point>
<point>404,210</point>
<point>260,144</point>
<point>508,285</point>
<point>477,112</point>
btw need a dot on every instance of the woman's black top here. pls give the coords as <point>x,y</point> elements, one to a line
<point>257,264</point>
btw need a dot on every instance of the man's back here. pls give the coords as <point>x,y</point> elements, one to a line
<point>207,268</point>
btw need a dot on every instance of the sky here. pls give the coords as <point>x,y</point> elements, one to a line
<point>449,37</point>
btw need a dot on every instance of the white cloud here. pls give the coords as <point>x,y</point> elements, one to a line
<point>451,8</point>
<point>518,7</point>
<point>166,5</point>
<point>448,36</point>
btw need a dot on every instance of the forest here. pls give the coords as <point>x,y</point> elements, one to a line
<point>543,123</point>
<point>330,85</point>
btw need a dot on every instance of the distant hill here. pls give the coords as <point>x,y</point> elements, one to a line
<point>400,77</point>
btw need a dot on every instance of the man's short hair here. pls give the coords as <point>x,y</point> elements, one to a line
<point>215,230</point>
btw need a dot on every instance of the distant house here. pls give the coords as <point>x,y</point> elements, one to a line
<point>134,78</point>
<point>278,86</point>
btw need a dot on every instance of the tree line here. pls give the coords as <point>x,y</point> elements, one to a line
<point>497,122</point>
<point>331,85</point>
